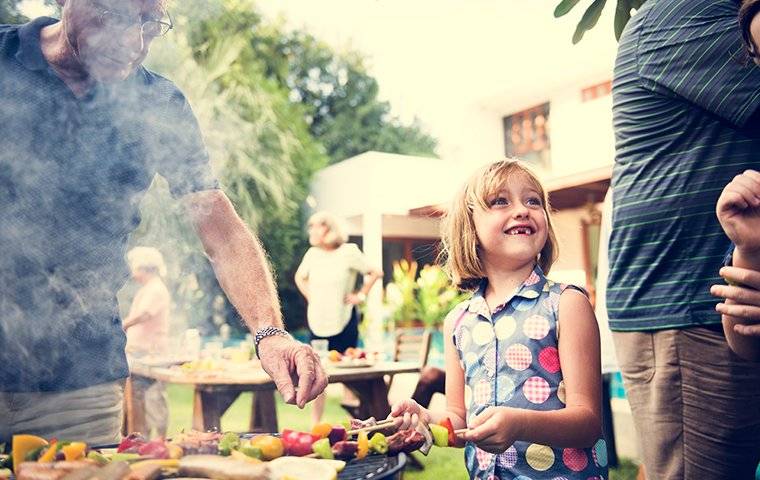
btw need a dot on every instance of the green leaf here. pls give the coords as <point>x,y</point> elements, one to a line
<point>564,7</point>
<point>622,15</point>
<point>589,19</point>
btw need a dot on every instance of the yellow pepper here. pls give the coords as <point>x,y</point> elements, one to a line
<point>49,454</point>
<point>74,451</point>
<point>363,445</point>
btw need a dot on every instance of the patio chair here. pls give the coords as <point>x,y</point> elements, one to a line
<point>409,347</point>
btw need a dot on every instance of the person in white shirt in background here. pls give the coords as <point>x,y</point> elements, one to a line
<point>327,279</point>
<point>147,328</point>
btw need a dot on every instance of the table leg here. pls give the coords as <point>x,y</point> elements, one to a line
<point>134,407</point>
<point>209,405</point>
<point>263,412</point>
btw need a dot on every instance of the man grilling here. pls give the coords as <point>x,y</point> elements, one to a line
<point>84,129</point>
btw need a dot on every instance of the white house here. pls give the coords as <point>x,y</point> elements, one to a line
<point>559,121</point>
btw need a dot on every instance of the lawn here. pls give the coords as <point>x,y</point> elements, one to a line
<point>441,463</point>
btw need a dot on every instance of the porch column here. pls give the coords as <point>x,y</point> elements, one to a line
<point>372,237</point>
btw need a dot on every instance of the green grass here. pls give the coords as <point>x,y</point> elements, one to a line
<point>445,463</point>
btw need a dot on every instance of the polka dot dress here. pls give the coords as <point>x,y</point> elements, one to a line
<point>511,358</point>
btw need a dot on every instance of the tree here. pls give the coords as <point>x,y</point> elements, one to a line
<point>260,148</point>
<point>339,98</point>
<point>594,11</point>
<point>9,12</point>
<point>341,116</point>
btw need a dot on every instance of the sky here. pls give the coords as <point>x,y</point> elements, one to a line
<point>435,60</point>
<point>438,59</point>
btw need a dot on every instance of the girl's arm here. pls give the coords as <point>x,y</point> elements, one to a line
<point>579,424</point>
<point>455,408</point>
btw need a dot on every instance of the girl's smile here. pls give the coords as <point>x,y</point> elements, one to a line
<point>513,228</point>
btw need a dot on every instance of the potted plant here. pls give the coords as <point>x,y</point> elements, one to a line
<point>420,301</point>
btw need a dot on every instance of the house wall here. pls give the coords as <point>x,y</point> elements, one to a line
<point>580,131</point>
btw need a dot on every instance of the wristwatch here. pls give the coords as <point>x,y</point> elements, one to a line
<point>265,332</point>
<point>361,296</point>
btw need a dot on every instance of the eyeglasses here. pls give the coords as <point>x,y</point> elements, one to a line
<point>148,28</point>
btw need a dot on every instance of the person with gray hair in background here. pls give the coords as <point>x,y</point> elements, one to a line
<point>327,278</point>
<point>147,327</point>
<point>85,128</point>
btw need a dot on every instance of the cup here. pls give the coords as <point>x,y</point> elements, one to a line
<point>192,343</point>
<point>213,350</point>
<point>320,345</point>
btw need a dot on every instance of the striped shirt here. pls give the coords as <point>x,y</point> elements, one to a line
<point>684,104</point>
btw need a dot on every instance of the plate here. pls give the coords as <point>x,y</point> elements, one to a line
<point>353,364</point>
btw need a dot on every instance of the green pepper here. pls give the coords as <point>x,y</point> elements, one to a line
<point>124,457</point>
<point>440,435</point>
<point>251,451</point>
<point>33,455</point>
<point>228,442</point>
<point>378,443</point>
<point>99,458</point>
<point>322,448</point>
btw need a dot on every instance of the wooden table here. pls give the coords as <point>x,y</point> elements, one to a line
<point>216,391</point>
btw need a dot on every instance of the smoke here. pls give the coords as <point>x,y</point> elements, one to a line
<point>72,175</point>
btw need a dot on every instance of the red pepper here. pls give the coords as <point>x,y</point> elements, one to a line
<point>131,443</point>
<point>446,422</point>
<point>298,443</point>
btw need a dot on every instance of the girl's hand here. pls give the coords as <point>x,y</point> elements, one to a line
<point>738,210</point>
<point>354,299</point>
<point>494,430</point>
<point>408,413</point>
<point>745,295</point>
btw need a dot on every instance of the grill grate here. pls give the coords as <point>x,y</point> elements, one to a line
<point>373,467</point>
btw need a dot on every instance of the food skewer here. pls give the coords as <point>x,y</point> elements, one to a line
<point>381,425</point>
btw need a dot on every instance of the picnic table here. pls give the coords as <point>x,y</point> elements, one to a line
<point>215,391</point>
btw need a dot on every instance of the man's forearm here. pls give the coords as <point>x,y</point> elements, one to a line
<point>744,346</point>
<point>244,274</point>
<point>238,260</point>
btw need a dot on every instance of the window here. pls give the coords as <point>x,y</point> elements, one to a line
<point>526,135</point>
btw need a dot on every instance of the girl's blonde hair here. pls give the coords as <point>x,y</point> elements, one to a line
<point>459,253</point>
<point>336,234</point>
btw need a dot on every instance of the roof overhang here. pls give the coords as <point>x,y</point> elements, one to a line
<point>567,192</point>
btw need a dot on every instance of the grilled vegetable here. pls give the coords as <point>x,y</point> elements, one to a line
<point>23,444</point>
<point>228,442</point>
<point>362,445</point>
<point>378,443</point>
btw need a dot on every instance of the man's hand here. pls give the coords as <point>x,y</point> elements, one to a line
<point>738,210</point>
<point>494,430</point>
<point>744,299</point>
<point>292,366</point>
